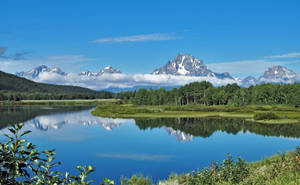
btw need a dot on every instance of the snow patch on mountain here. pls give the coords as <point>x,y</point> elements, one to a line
<point>35,72</point>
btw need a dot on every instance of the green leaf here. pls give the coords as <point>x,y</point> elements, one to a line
<point>29,145</point>
<point>12,130</point>
<point>67,175</point>
<point>6,135</point>
<point>20,125</point>
<point>26,132</point>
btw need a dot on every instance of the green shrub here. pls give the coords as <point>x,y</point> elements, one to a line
<point>136,180</point>
<point>21,163</point>
<point>265,116</point>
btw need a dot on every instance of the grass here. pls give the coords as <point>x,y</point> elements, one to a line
<point>277,169</point>
<point>284,114</point>
<point>276,121</point>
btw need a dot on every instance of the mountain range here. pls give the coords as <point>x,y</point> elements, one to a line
<point>106,70</point>
<point>35,72</point>
<point>183,65</point>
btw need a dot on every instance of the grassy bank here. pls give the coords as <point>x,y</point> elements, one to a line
<point>277,169</point>
<point>285,114</point>
<point>61,102</point>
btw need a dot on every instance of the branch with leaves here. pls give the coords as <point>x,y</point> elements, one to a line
<point>21,164</point>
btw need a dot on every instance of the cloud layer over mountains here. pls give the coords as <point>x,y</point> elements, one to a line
<point>124,80</point>
<point>183,69</point>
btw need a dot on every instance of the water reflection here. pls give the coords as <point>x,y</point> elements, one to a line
<point>183,129</point>
<point>56,121</point>
<point>206,127</point>
<point>179,135</point>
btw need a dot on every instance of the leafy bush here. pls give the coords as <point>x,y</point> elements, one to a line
<point>136,180</point>
<point>21,163</point>
<point>265,116</point>
<point>229,171</point>
<point>277,169</point>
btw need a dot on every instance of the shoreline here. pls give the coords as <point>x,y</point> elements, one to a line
<point>60,102</point>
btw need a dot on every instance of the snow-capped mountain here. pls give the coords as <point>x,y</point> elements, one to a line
<point>188,65</point>
<point>248,81</point>
<point>35,72</point>
<point>106,70</point>
<point>110,70</point>
<point>278,74</point>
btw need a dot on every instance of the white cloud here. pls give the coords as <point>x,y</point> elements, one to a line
<point>138,38</point>
<point>124,80</point>
<point>287,55</point>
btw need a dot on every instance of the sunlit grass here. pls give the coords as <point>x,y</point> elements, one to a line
<point>286,114</point>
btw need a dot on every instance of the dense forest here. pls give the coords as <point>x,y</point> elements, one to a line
<point>14,88</point>
<point>205,93</point>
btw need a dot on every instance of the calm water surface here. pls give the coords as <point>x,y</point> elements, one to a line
<point>157,147</point>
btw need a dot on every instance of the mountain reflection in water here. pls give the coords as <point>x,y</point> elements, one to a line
<point>183,129</point>
<point>57,121</point>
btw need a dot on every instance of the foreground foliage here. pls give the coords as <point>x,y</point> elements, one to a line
<point>278,169</point>
<point>21,163</point>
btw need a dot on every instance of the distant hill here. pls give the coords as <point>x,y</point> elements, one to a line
<point>10,83</point>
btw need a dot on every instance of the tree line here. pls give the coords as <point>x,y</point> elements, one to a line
<point>17,96</point>
<point>205,93</point>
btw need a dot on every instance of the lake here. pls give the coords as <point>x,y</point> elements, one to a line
<point>153,147</point>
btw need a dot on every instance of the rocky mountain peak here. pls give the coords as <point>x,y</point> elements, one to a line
<point>110,70</point>
<point>248,81</point>
<point>34,73</point>
<point>277,73</point>
<point>188,65</point>
<point>106,70</point>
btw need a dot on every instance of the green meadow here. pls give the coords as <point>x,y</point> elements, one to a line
<point>284,114</point>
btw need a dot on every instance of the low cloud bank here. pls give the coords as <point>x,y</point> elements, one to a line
<point>125,81</point>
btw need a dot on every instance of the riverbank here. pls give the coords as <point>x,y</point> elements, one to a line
<point>285,114</point>
<point>62,102</point>
<point>277,169</point>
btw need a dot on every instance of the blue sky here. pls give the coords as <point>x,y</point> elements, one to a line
<point>241,37</point>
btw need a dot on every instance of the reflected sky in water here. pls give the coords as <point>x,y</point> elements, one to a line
<point>119,147</point>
